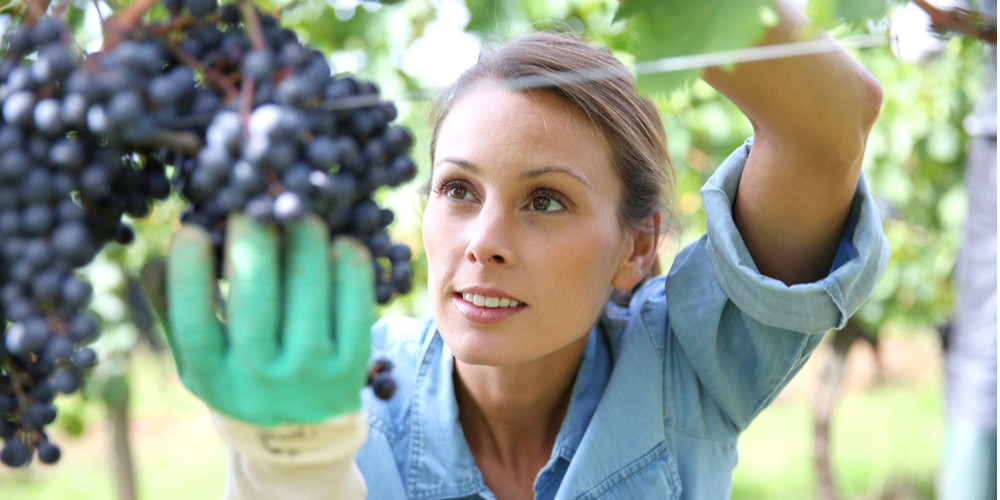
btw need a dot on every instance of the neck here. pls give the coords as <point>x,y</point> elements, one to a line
<point>513,414</point>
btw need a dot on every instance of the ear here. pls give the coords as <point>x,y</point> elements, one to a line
<point>640,254</point>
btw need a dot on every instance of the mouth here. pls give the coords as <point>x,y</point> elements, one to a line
<point>487,306</point>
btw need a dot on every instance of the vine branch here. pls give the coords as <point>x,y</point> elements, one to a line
<point>34,10</point>
<point>958,20</point>
<point>116,27</point>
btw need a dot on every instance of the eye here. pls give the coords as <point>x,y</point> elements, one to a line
<point>459,192</point>
<point>545,203</point>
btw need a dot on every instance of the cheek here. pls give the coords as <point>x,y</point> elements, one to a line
<point>442,243</point>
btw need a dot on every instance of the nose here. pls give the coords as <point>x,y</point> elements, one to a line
<point>490,239</point>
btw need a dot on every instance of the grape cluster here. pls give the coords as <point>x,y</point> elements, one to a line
<point>70,167</point>
<point>259,128</point>
<point>294,154</point>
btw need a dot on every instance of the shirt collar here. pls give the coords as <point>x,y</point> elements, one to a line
<point>441,463</point>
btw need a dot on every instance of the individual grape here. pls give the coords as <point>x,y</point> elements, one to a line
<point>38,415</point>
<point>73,110</point>
<point>18,108</point>
<point>46,116</point>
<point>73,242</point>
<point>383,385</point>
<point>82,328</point>
<point>288,206</point>
<point>259,64</point>
<point>260,209</point>
<point>400,254</point>
<point>36,219</point>
<point>124,235</point>
<point>20,40</point>
<point>14,453</point>
<point>45,31</point>
<point>229,14</point>
<point>65,381</point>
<point>54,62</point>
<point>84,358</point>
<point>20,340</point>
<point>59,348</point>
<point>48,453</point>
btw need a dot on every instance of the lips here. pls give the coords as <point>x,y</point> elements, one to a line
<point>487,305</point>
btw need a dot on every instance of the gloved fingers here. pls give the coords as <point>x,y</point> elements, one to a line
<point>306,330</point>
<point>253,308</point>
<point>354,306</point>
<point>195,334</point>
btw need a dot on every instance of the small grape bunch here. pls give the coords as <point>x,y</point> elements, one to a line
<point>380,378</point>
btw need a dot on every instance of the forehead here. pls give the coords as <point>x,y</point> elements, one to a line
<point>518,130</point>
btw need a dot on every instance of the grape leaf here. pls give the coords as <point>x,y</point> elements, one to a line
<point>826,13</point>
<point>666,28</point>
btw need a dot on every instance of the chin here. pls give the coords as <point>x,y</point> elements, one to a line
<point>482,348</point>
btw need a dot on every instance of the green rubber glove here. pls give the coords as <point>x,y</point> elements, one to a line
<point>295,347</point>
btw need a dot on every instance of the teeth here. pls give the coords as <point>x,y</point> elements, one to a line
<point>489,302</point>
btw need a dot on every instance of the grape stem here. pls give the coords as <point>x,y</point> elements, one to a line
<point>252,23</point>
<point>274,185</point>
<point>184,142</point>
<point>60,7</point>
<point>246,104</point>
<point>974,24</point>
<point>100,17</point>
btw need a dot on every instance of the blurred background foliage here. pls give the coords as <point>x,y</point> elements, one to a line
<point>913,165</point>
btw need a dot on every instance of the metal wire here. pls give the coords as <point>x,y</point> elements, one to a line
<point>664,65</point>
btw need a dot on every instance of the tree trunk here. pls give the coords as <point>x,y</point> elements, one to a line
<point>827,393</point>
<point>116,397</point>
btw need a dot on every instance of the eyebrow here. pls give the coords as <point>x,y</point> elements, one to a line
<point>530,174</point>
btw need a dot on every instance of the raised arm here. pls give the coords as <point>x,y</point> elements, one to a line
<point>811,117</point>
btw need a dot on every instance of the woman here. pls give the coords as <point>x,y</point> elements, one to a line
<point>524,380</point>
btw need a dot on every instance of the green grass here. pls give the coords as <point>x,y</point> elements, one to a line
<point>887,437</point>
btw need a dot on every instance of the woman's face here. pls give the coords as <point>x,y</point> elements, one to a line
<point>522,208</point>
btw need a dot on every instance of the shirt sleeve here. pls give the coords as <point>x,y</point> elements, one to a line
<point>743,334</point>
<point>294,461</point>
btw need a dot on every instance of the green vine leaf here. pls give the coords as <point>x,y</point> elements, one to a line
<point>678,27</point>
<point>826,13</point>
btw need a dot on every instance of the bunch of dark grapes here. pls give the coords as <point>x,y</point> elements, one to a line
<point>262,129</point>
<point>295,152</point>
<point>75,155</point>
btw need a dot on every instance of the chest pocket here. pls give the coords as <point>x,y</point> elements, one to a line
<point>654,479</point>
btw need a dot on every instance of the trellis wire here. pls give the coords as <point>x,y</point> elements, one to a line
<point>664,65</point>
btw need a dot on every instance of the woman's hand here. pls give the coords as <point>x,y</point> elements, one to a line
<point>295,345</point>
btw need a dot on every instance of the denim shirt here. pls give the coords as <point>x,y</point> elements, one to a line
<point>664,386</point>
